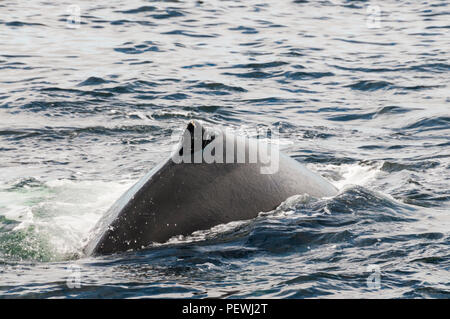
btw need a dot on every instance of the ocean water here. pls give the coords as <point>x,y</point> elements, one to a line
<point>91,94</point>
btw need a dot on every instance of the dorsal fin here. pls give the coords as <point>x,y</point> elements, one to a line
<point>195,130</point>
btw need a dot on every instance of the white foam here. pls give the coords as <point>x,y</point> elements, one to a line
<point>62,211</point>
<point>348,174</point>
<point>201,235</point>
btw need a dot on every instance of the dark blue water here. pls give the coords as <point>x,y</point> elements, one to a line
<point>357,89</point>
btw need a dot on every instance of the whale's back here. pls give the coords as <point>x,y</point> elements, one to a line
<point>180,198</point>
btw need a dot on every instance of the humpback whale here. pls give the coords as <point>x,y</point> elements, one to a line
<point>211,178</point>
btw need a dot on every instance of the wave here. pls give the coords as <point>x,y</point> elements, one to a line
<point>429,123</point>
<point>48,221</point>
<point>139,10</point>
<point>370,85</point>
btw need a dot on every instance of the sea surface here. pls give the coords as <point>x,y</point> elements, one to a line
<point>91,94</point>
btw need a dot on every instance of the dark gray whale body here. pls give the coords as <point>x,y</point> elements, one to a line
<point>178,198</point>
